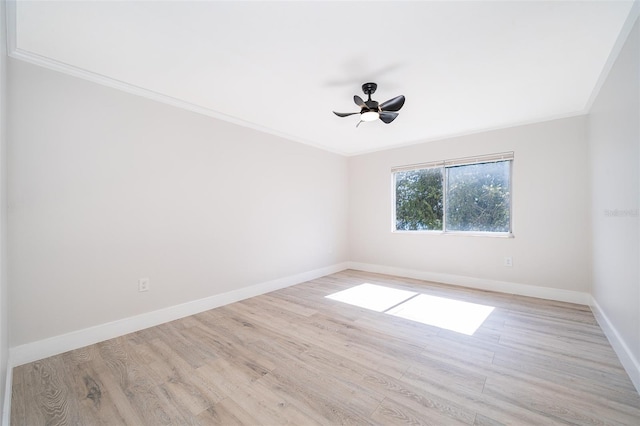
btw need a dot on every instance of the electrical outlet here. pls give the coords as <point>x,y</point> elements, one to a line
<point>508,262</point>
<point>143,284</point>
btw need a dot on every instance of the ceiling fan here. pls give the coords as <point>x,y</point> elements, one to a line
<point>370,110</point>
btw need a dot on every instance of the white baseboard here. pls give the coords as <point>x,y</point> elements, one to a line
<point>6,407</point>
<point>34,351</point>
<point>479,283</point>
<point>630,363</point>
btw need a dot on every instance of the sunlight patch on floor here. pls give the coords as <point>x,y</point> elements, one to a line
<point>449,314</point>
<point>370,296</point>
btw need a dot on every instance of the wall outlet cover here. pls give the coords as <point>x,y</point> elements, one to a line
<point>143,284</point>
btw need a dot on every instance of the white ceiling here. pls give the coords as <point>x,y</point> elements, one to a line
<point>282,67</point>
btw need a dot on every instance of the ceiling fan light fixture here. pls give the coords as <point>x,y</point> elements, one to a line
<point>369,116</point>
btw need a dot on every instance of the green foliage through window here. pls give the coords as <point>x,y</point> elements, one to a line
<point>419,200</point>
<point>466,198</point>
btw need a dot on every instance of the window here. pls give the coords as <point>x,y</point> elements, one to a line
<point>465,195</point>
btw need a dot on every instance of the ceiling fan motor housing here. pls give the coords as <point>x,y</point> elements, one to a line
<point>369,88</point>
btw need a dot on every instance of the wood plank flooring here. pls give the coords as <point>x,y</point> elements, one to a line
<point>296,357</point>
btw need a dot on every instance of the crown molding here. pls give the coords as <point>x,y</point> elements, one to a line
<point>634,13</point>
<point>61,67</point>
<point>16,52</point>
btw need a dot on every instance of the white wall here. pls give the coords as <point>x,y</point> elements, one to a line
<point>105,187</point>
<point>4,316</point>
<point>614,143</point>
<point>551,247</point>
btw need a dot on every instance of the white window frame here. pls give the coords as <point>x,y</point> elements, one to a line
<point>444,164</point>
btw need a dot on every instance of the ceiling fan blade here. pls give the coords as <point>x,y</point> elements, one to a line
<point>358,100</point>
<point>388,117</point>
<point>344,114</point>
<point>393,104</point>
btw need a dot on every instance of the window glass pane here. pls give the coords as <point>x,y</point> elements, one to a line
<point>419,200</point>
<point>478,197</point>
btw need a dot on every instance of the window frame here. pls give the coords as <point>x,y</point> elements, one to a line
<point>444,164</point>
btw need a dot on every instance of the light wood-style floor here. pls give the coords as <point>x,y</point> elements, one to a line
<point>296,357</point>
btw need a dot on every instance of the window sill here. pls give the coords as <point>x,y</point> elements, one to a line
<point>458,233</point>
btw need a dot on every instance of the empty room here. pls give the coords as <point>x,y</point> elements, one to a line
<point>320,212</point>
